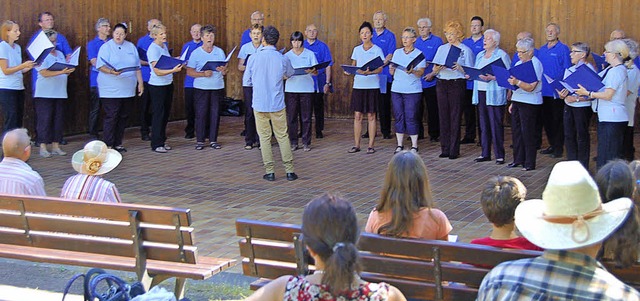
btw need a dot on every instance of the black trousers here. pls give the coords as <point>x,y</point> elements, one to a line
<point>523,125</point>
<point>469,114</point>
<point>576,133</point>
<point>161,99</point>
<point>450,98</point>
<point>552,121</point>
<point>189,111</point>
<point>430,102</point>
<point>318,111</point>
<point>384,111</point>
<point>207,110</point>
<point>94,112</point>
<point>116,116</point>
<point>145,110</point>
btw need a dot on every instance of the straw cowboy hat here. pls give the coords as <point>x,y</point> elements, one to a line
<point>570,214</point>
<point>95,159</point>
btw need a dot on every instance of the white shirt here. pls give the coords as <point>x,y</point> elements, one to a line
<point>362,57</point>
<point>198,59</point>
<point>301,83</point>
<point>404,82</point>
<point>466,59</point>
<point>613,110</point>
<point>53,86</point>
<point>534,97</point>
<point>633,76</point>
<point>14,58</point>
<point>119,56</point>
<point>153,54</point>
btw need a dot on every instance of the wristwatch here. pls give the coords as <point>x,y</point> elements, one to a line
<point>328,84</point>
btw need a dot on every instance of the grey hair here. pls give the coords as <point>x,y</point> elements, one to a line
<point>555,25</point>
<point>633,49</point>
<point>100,22</point>
<point>384,15</point>
<point>495,34</point>
<point>526,43</point>
<point>257,12</point>
<point>425,19</point>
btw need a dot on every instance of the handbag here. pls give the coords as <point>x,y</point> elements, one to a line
<point>116,288</point>
<point>230,107</point>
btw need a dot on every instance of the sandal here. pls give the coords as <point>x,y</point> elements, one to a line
<point>399,148</point>
<point>215,145</point>
<point>354,150</point>
<point>248,146</point>
<point>200,146</point>
<point>371,150</point>
<point>414,149</point>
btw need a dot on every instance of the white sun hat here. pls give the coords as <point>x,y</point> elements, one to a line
<point>570,214</point>
<point>95,159</point>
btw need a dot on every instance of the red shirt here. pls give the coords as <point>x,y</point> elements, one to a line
<point>514,243</point>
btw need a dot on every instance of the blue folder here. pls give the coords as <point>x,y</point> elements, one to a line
<point>168,63</point>
<point>371,65</point>
<point>125,69</point>
<point>599,61</point>
<point>450,59</point>
<point>60,66</point>
<point>586,77</point>
<point>474,73</point>
<point>557,85</point>
<point>246,59</point>
<point>411,64</point>
<point>302,71</point>
<point>523,72</point>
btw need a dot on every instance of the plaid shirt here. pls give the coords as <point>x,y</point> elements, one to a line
<point>556,275</point>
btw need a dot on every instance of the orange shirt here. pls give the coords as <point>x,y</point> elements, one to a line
<point>427,223</point>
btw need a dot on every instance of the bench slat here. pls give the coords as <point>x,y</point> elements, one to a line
<point>267,230</point>
<point>116,212</point>
<point>268,251</point>
<point>269,270</point>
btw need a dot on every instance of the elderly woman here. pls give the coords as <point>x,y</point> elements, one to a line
<point>91,162</point>
<point>117,89</point>
<point>450,89</point>
<point>525,106</point>
<point>366,88</point>
<point>299,91</point>
<point>609,102</point>
<point>406,90</point>
<point>491,99</point>
<point>160,89</point>
<point>577,111</point>
<point>209,87</point>
<point>49,98</point>
<point>11,69</point>
<point>633,76</point>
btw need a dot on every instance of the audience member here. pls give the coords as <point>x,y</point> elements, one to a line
<point>91,162</point>
<point>570,223</point>
<point>406,207</point>
<point>615,180</point>
<point>330,232</point>
<point>17,177</point>
<point>500,197</point>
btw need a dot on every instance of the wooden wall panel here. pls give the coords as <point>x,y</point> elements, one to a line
<point>337,21</point>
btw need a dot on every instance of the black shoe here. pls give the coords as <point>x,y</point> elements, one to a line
<point>482,159</point>
<point>145,137</point>
<point>189,136</point>
<point>513,164</point>
<point>63,142</point>
<point>292,176</point>
<point>434,139</point>
<point>120,149</point>
<point>547,151</point>
<point>243,133</point>
<point>499,161</point>
<point>453,157</point>
<point>386,136</point>
<point>271,177</point>
<point>319,135</point>
<point>467,141</point>
<point>443,155</point>
<point>528,168</point>
<point>555,156</point>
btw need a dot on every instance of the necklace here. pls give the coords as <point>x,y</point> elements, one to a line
<point>407,52</point>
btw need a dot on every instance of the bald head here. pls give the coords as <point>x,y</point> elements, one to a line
<point>524,34</point>
<point>151,23</point>
<point>617,34</point>
<point>16,144</point>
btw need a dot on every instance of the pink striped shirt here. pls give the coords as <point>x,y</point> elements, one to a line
<point>90,188</point>
<point>17,177</point>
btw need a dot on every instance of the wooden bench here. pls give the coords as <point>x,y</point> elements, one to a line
<point>155,242</point>
<point>421,269</point>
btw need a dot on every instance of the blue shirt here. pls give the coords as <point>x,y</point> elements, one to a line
<point>476,47</point>
<point>362,57</point>
<point>554,61</point>
<point>61,44</point>
<point>119,56</point>
<point>92,52</point>
<point>52,86</point>
<point>323,54</point>
<point>266,69</point>
<point>144,43</point>
<point>428,48</point>
<point>387,42</point>
<point>300,83</point>
<point>516,58</point>
<point>153,54</point>
<point>188,80</point>
<point>245,51</point>
<point>13,55</point>
<point>496,95</point>
<point>198,59</point>
<point>404,82</point>
<point>246,37</point>
<point>534,97</point>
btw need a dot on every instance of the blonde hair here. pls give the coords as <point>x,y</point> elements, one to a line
<point>5,29</point>
<point>619,48</point>
<point>456,28</point>
<point>156,29</point>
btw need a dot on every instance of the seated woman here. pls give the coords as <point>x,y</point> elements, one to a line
<point>91,163</point>
<point>330,232</point>
<point>406,207</point>
<point>500,197</point>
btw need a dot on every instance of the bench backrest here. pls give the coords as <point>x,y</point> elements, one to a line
<point>128,230</point>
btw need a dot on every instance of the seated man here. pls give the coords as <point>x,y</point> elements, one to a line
<point>17,177</point>
<point>500,197</point>
<point>570,223</point>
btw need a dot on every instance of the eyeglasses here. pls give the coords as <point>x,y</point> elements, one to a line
<point>574,51</point>
<point>411,37</point>
<point>523,51</point>
<point>257,19</point>
<point>424,27</point>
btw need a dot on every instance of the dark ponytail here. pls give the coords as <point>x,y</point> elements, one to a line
<point>330,229</point>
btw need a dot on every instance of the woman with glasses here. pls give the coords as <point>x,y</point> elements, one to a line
<point>525,106</point>
<point>491,99</point>
<point>609,102</point>
<point>406,90</point>
<point>450,89</point>
<point>577,111</point>
<point>299,91</point>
